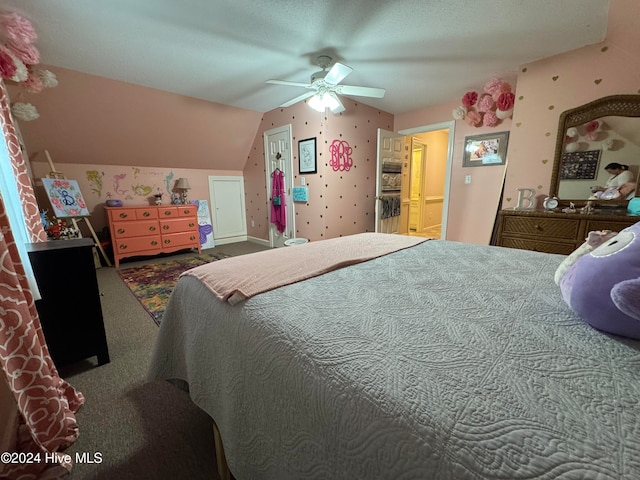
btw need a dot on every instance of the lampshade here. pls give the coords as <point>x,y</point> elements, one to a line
<point>182,184</point>
<point>316,102</point>
<point>321,101</point>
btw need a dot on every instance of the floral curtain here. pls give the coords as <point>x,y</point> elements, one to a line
<point>18,163</point>
<point>46,402</point>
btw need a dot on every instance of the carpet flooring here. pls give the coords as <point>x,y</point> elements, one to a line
<point>153,283</point>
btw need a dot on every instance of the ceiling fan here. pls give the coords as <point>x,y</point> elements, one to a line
<point>325,85</point>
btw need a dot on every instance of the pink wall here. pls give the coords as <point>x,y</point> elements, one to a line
<point>94,120</point>
<point>550,86</point>
<point>340,203</point>
<point>133,185</point>
<point>472,207</point>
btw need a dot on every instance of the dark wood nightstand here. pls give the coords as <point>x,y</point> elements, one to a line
<point>70,310</point>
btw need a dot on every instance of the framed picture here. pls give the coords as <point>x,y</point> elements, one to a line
<point>580,165</point>
<point>307,156</point>
<point>486,149</point>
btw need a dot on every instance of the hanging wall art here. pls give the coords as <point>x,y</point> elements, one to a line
<point>340,156</point>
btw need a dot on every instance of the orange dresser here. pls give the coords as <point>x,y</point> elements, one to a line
<point>150,230</point>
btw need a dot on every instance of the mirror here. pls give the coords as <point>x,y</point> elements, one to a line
<point>591,137</point>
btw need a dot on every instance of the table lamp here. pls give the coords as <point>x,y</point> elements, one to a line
<point>182,185</point>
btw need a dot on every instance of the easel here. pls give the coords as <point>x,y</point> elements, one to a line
<point>55,174</point>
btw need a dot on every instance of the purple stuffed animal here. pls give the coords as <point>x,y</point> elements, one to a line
<point>603,286</point>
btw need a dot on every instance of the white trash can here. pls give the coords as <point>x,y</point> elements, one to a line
<point>295,241</point>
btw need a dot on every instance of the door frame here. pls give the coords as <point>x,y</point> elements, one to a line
<point>239,236</point>
<point>450,126</point>
<point>288,175</point>
<point>421,182</point>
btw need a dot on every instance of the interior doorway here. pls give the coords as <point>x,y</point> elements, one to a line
<point>428,171</point>
<point>279,164</point>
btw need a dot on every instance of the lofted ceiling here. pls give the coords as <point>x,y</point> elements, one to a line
<point>423,52</point>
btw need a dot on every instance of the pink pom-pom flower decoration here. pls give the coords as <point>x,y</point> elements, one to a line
<point>504,88</point>
<point>485,103</point>
<point>469,99</point>
<point>490,119</point>
<point>474,118</point>
<point>7,65</point>
<point>506,100</point>
<point>593,126</point>
<point>496,99</point>
<point>21,72</point>
<point>33,83</point>
<point>26,53</point>
<point>17,29</point>
<point>493,85</point>
<point>592,136</point>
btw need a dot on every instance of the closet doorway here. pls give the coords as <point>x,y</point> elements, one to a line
<point>426,183</point>
<point>428,172</point>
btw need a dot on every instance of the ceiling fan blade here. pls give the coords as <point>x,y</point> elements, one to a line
<point>291,84</point>
<point>361,91</point>
<point>337,73</point>
<point>297,99</point>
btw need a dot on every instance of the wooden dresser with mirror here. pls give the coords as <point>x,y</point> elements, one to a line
<point>614,139</point>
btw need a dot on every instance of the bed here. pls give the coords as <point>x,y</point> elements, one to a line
<point>440,360</point>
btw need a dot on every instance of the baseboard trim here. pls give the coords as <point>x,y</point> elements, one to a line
<point>259,241</point>
<point>224,241</point>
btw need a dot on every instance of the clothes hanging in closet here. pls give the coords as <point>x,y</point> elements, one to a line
<point>278,206</point>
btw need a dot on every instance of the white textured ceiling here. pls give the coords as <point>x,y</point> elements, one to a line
<point>423,52</point>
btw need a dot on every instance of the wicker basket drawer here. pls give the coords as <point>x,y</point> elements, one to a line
<point>538,246</point>
<point>551,228</point>
<point>614,226</point>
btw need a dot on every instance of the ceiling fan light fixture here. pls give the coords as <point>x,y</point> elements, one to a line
<point>321,101</point>
<point>317,103</point>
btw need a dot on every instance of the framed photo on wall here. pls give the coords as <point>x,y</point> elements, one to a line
<point>307,162</point>
<point>486,149</point>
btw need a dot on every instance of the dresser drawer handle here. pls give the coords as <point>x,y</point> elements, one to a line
<point>154,243</point>
<point>146,214</point>
<point>192,224</point>
<point>167,241</point>
<point>192,238</point>
<point>123,215</point>
<point>122,246</point>
<point>537,227</point>
<point>152,228</point>
<point>165,227</point>
<point>121,230</point>
<point>167,212</point>
<point>186,212</point>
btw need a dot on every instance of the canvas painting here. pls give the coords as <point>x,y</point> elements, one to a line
<point>65,197</point>
<point>205,228</point>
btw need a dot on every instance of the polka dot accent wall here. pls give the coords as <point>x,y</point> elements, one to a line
<point>340,202</point>
<point>548,87</point>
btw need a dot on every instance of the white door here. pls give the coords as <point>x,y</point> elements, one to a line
<point>389,181</point>
<point>277,149</point>
<point>228,209</point>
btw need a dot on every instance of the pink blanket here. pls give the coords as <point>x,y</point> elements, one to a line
<point>238,278</point>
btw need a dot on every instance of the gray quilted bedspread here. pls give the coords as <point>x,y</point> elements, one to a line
<point>444,361</point>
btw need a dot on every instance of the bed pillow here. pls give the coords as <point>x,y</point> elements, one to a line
<point>603,286</point>
<point>593,240</point>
